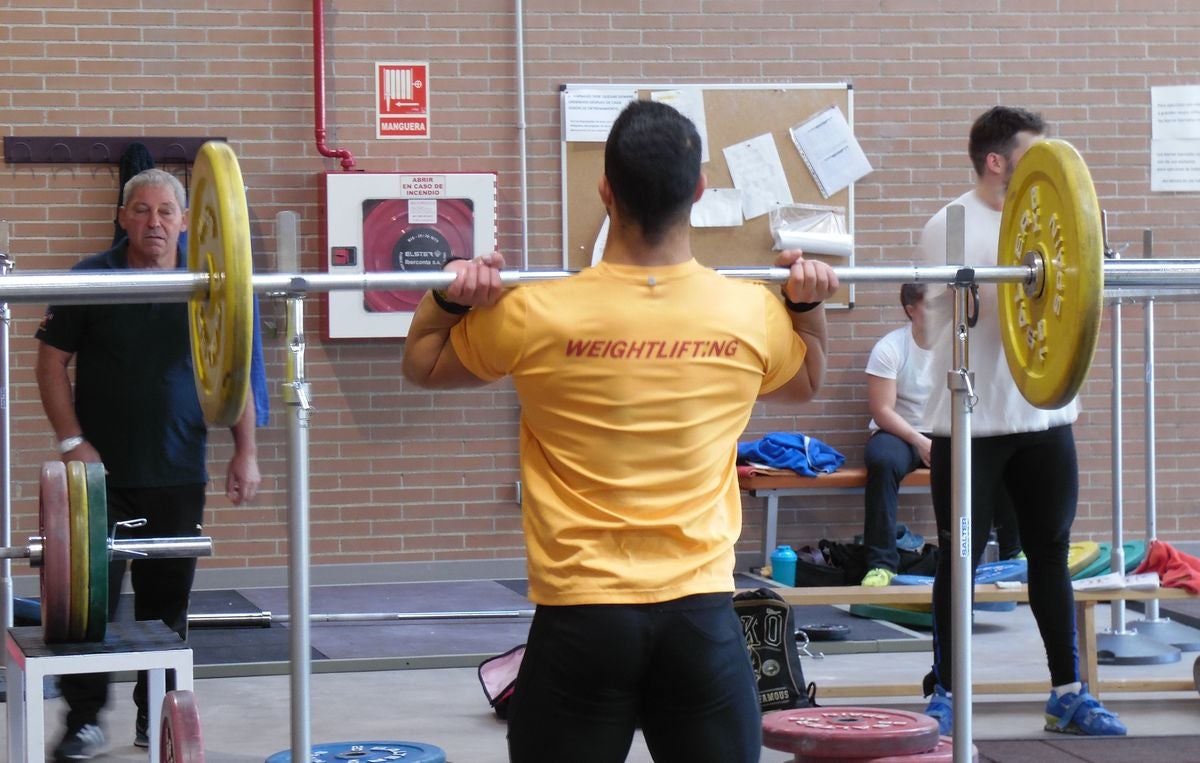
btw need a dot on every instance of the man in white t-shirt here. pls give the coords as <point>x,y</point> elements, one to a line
<point>1015,446</point>
<point>898,384</point>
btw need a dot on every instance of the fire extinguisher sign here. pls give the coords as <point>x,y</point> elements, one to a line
<point>402,100</point>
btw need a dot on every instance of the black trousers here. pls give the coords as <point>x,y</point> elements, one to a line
<point>161,587</point>
<point>593,673</point>
<point>1041,474</point>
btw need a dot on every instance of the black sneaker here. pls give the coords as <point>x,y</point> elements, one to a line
<point>141,727</point>
<point>83,743</point>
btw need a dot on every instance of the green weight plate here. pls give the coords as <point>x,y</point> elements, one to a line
<point>893,615</point>
<point>1135,552</point>
<point>97,509</point>
<point>80,566</point>
<point>54,526</point>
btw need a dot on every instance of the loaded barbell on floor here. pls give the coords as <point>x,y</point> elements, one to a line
<point>74,548</point>
<point>265,619</point>
<point>1050,271</point>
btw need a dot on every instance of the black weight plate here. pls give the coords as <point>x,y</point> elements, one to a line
<point>824,631</point>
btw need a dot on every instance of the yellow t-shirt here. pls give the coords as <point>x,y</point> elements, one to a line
<point>635,384</point>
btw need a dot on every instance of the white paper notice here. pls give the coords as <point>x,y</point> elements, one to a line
<point>1175,112</point>
<point>588,115</point>
<point>718,208</point>
<point>423,211</point>
<point>758,173</point>
<point>1175,165</point>
<point>690,103</point>
<point>830,151</point>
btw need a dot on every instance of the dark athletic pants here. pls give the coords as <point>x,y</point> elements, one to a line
<point>889,460</point>
<point>593,673</point>
<point>1041,474</point>
<point>161,586</point>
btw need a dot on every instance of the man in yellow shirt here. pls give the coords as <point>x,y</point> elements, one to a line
<point>636,378</point>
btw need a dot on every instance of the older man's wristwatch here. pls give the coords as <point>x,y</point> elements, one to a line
<point>69,444</point>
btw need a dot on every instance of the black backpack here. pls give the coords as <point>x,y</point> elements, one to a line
<point>847,563</point>
<point>770,632</point>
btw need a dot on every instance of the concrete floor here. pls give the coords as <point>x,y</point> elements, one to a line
<point>247,719</point>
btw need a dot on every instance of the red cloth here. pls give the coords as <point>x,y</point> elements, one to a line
<point>762,470</point>
<point>1175,568</point>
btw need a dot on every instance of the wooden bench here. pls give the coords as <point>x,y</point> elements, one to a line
<point>842,482</point>
<point>1085,623</point>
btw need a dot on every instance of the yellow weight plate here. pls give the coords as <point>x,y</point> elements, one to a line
<point>1049,331</point>
<point>221,320</point>
<point>80,554</point>
<point>1081,554</point>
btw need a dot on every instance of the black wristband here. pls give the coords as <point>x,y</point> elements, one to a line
<point>453,308</point>
<point>799,307</point>
<point>439,295</point>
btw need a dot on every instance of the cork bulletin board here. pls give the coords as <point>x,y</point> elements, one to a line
<point>733,113</point>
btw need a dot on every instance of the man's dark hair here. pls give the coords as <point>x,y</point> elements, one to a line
<point>995,132</point>
<point>652,162</point>
<point>911,294</point>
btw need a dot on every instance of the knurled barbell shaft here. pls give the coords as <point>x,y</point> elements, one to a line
<point>179,286</point>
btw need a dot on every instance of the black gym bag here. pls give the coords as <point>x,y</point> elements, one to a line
<point>770,632</point>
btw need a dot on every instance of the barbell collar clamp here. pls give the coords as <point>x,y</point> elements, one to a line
<point>1037,269</point>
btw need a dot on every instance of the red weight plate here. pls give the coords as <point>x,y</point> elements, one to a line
<point>849,732</point>
<point>943,753</point>
<point>179,739</point>
<point>392,243</point>
<point>54,525</point>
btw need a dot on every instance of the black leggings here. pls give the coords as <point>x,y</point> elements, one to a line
<point>592,673</point>
<point>1041,474</point>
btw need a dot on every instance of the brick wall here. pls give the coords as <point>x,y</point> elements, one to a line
<point>403,475</point>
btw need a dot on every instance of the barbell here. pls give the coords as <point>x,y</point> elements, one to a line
<point>1050,273</point>
<point>74,548</point>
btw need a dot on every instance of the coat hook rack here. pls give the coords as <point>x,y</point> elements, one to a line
<point>43,149</point>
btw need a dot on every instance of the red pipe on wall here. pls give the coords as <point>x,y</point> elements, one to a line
<point>319,88</point>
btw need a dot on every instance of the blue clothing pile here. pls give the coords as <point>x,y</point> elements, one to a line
<point>798,452</point>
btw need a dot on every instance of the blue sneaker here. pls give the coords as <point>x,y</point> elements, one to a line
<point>907,540</point>
<point>1081,714</point>
<point>941,710</point>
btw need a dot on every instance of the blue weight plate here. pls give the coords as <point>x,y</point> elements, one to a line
<point>912,580</point>
<point>369,752</point>
<point>987,606</point>
<point>1013,569</point>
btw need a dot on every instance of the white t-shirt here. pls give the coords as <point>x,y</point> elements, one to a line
<point>897,356</point>
<point>1001,409</point>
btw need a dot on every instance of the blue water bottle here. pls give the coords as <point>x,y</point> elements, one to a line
<point>783,565</point>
